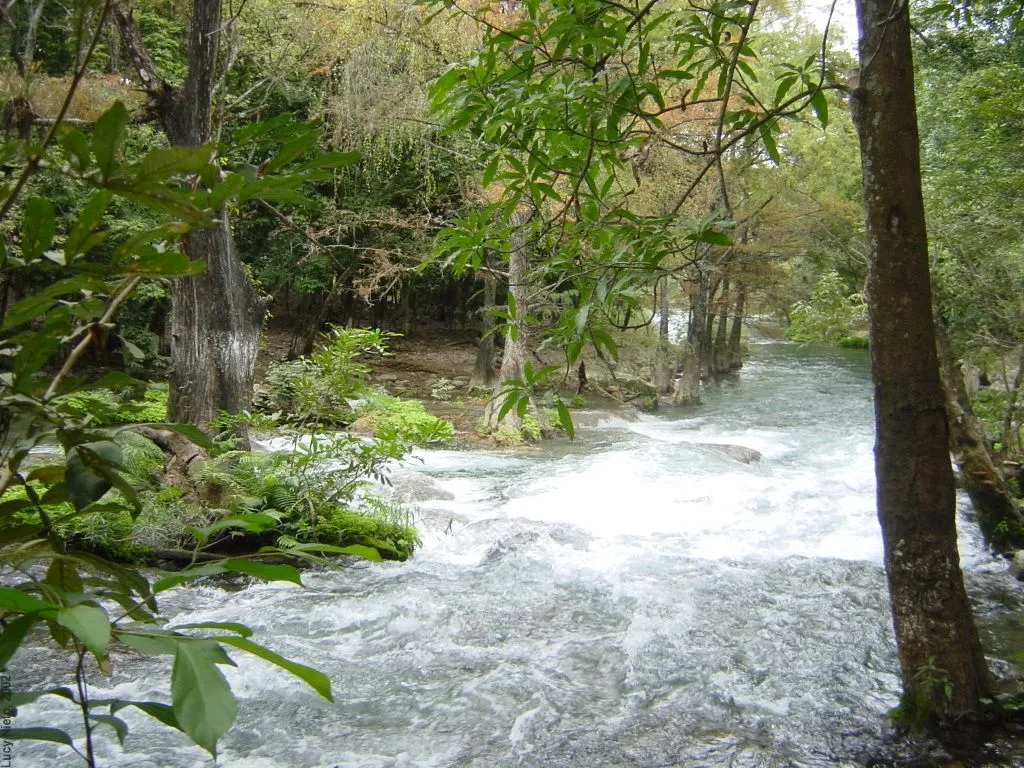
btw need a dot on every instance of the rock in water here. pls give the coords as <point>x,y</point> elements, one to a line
<point>737,452</point>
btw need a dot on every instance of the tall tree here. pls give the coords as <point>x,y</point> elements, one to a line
<point>215,318</point>
<point>943,670</point>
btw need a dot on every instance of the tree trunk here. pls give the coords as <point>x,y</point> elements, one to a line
<point>483,371</point>
<point>720,356</point>
<point>663,370</point>
<point>943,669</point>
<point>687,386</point>
<point>215,317</point>
<point>999,517</point>
<point>513,360</point>
<point>736,333</point>
<point>1011,430</point>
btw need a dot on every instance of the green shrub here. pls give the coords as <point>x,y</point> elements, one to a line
<point>829,315</point>
<point>391,418</point>
<point>107,407</point>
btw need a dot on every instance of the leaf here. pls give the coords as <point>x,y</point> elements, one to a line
<point>17,601</point>
<point>291,150</point>
<point>38,734</point>
<point>314,678</point>
<point>63,575</point>
<point>161,164</point>
<point>174,580</point>
<point>203,703</point>
<point>89,624</point>
<point>168,263</point>
<point>88,470</point>
<point>107,136</point>
<point>37,303</point>
<point>565,418</point>
<point>162,712</point>
<point>357,550</point>
<point>229,626</point>
<point>86,223</point>
<point>120,726</point>
<point>38,228</point>
<point>820,106</point>
<point>769,143</point>
<point>265,571</point>
<point>149,644</point>
<point>13,635</point>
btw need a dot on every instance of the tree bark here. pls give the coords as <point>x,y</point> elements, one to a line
<point>720,355</point>
<point>483,370</point>
<point>663,369</point>
<point>687,386</point>
<point>736,332</point>
<point>215,317</point>
<point>999,517</point>
<point>943,670</point>
<point>513,360</point>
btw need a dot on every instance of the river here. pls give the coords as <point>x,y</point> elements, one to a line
<point>633,598</point>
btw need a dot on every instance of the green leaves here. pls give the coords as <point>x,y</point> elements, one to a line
<point>315,679</point>
<point>89,472</point>
<point>204,706</point>
<point>108,135</point>
<point>89,624</point>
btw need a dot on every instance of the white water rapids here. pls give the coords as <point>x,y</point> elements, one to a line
<point>634,598</point>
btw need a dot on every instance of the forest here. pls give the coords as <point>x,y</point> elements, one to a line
<point>547,382</point>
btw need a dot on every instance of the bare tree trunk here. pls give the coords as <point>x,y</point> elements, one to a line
<point>1011,429</point>
<point>942,665</point>
<point>736,333</point>
<point>687,386</point>
<point>720,356</point>
<point>483,371</point>
<point>513,360</point>
<point>663,371</point>
<point>999,517</point>
<point>215,317</point>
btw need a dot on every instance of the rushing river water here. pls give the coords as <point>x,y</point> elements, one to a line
<point>634,598</point>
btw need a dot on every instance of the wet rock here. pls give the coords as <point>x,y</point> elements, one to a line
<point>737,452</point>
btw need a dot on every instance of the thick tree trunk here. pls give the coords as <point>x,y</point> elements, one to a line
<point>999,517</point>
<point>483,370</point>
<point>215,317</point>
<point>687,386</point>
<point>736,332</point>
<point>513,360</point>
<point>943,669</point>
<point>663,370</point>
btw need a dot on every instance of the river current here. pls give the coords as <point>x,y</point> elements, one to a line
<point>637,597</point>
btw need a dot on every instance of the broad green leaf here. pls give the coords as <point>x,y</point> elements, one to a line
<point>89,624</point>
<point>154,644</point>
<point>566,419</point>
<point>168,263</point>
<point>86,223</point>
<point>292,150</point>
<point>314,678</point>
<point>38,227</point>
<point>20,698</point>
<point>203,703</point>
<point>107,135</point>
<point>120,726</point>
<point>161,164</point>
<point>88,473</point>
<point>63,575</point>
<point>211,569</point>
<point>38,734</point>
<point>162,712</point>
<point>228,626</point>
<point>769,143</point>
<point>265,571</point>
<point>37,303</point>
<point>820,106</point>
<point>16,601</point>
<point>13,635</point>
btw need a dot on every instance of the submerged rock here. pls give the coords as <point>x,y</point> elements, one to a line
<point>737,452</point>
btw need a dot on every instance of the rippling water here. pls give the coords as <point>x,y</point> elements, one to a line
<point>635,598</point>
